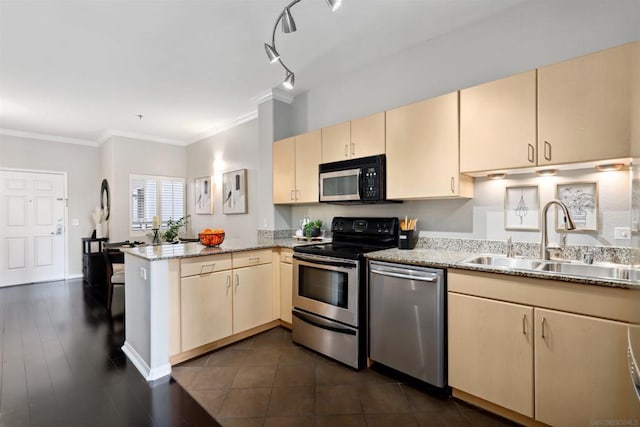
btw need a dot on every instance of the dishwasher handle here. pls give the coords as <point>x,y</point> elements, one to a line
<point>421,278</point>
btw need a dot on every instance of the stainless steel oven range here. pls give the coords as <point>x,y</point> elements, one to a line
<point>329,312</point>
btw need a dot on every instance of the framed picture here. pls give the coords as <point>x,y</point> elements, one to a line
<point>203,196</point>
<point>234,192</point>
<point>522,208</point>
<point>581,199</point>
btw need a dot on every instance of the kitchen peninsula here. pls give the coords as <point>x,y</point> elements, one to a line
<point>182,300</point>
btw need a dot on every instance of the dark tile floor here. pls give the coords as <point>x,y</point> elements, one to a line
<point>267,380</point>
<point>62,365</point>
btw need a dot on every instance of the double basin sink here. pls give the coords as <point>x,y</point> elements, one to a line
<point>601,271</point>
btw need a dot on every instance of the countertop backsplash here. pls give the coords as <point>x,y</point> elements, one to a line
<point>619,255</point>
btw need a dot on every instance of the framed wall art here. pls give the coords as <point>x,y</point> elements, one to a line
<point>522,208</point>
<point>581,199</point>
<point>234,192</point>
<point>203,195</point>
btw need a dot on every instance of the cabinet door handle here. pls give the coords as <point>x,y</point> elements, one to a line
<point>207,266</point>
<point>544,324</point>
<point>524,324</point>
<point>291,196</point>
<point>547,153</point>
<point>353,149</point>
<point>453,185</point>
<point>346,150</point>
<point>254,260</point>
<point>228,283</point>
<point>531,153</point>
<point>297,194</point>
<point>237,282</point>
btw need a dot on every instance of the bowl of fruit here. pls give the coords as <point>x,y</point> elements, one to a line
<point>210,238</point>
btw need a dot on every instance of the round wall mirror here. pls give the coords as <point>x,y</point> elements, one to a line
<point>105,199</point>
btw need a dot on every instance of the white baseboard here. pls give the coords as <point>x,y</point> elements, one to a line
<point>74,276</point>
<point>140,364</point>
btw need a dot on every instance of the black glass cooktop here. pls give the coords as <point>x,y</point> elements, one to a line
<point>339,250</point>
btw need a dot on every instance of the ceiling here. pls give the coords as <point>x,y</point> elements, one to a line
<point>80,70</point>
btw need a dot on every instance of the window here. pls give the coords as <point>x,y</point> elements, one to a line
<point>155,196</point>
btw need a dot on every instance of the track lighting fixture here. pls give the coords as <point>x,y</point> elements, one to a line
<point>289,26</point>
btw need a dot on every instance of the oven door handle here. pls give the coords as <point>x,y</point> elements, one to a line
<point>323,262</point>
<point>320,324</point>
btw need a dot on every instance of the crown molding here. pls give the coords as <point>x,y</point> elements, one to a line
<point>226,125</point>
<point>46,137</point>
<point>271,94</point>
<point>140,136</point>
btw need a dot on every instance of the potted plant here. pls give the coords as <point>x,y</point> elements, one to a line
<point>173,228</point>
<point>312,228</point>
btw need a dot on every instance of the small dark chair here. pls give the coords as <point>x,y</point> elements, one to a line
<point>114,276</point>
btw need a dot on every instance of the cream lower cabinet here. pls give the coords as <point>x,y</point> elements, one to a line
<point>206,314</point>
<point>286,286</point>
<point>422,151</point>
<point>220,296</point>
<point>253,297</point>
<point>546,364</point>
<point>491,351</point>
<point>581,375</point>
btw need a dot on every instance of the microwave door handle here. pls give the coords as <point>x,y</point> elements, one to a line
<point>360,184</point>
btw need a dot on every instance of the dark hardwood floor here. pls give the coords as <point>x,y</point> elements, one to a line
<point>62,365</point>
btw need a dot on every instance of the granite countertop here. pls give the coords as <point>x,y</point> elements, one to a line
<point>451,259</point>
<point>194,249</point>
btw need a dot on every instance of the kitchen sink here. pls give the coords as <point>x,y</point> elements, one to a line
<point>504,262</point>
<point>606,271</point>
<point>600,271</point>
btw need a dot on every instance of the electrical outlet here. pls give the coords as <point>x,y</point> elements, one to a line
<point>75,222</point>
<point>622,233</point>
<point>143,273</point>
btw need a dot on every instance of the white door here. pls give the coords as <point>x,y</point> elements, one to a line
<point>32,221</point>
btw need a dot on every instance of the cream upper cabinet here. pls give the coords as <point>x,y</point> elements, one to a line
<point>498,124</point>
<point>284,170</point>
<point>360,137</point>
<point>422,150</point>
<point>295,169</point>
<point>584,107</point>
<point>253,297</point>
<point>336,142</point>
<point>581,371</point>
<point>491,351</point>
<point>368,135</point>
<point>206,313</point>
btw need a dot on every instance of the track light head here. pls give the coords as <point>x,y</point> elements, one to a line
<point>288,24</point>
<point>272,53</point>
<point>289,81</point>
<point>334,4</point>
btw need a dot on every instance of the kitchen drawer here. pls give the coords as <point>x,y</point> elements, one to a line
<point>249,258</point>
<point>204,264</point>
<point>286,256</point>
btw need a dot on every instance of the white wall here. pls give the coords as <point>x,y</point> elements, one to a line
<point>237,148</point>
<point>124,156</point>
<point>82,165</point>
<point>524,37</point>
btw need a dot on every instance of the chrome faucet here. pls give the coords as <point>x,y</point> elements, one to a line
<point>510,251</point>
<point>568,225</point>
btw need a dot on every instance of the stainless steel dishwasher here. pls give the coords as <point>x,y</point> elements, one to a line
<point>407,320</point>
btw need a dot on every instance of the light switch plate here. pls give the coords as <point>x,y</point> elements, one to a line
<point>143,273</point>
<point>622,233</point>
<point>75,222</point>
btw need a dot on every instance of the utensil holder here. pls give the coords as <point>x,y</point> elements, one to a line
<point>406,240</point>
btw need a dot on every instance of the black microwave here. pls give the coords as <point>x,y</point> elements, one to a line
<point>360,180</point>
